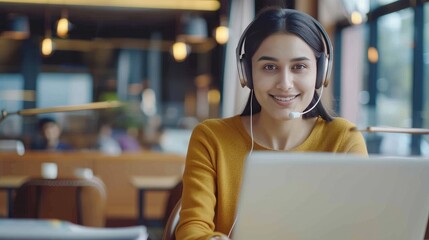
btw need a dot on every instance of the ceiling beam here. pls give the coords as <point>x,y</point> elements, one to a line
<point>199,5</point>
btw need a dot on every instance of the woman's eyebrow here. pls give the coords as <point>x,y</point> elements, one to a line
<point>299,59</point>
<point>268,58</point>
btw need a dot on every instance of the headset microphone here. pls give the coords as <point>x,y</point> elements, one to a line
<point>295,115</point>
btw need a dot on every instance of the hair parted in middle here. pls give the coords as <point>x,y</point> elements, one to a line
<point>279,20</point>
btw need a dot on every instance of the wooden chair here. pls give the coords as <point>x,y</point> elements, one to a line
<point>170,226</point>
<point>172,211</point>
<point>78,200</point>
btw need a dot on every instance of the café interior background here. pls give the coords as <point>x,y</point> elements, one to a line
<point>171,70</point>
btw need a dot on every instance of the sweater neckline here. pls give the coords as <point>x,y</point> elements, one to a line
<point>257,146</point>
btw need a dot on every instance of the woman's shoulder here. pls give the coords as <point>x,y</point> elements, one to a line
<point>221,122</point>
<point>342,132</point>
<point>220,130</point>
<point>220,126</point>
<point>342,122</point>
<point>337,124</point>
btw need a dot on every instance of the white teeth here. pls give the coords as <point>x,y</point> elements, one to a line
<point>284,99</point>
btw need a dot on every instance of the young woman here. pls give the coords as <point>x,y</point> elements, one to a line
<point>284,57</point>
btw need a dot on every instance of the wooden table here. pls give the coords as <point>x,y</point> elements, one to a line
<point>10,184</point>
<point>151,183</point>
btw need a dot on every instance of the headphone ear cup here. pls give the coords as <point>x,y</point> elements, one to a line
<point>247,71</point>
<point>241,74</point>
<point>321,71</point>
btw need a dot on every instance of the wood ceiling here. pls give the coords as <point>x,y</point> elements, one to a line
<point>102,22</point>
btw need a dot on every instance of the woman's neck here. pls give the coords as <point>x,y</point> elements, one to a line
<point>280,134</point>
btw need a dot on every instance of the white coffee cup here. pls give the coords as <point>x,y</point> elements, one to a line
<point>12,145</point>
<point>49,170</point>
<point>83,173</point>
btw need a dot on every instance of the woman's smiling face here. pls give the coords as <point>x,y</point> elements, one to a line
<point>284,70</point>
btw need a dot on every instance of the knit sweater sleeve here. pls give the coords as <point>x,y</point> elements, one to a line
<point>199,191</point>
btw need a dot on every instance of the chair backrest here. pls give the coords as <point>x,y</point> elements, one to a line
<point>170,226</point>
<point>78,200</point>
<point>172,209</point>
<point>175,194</point>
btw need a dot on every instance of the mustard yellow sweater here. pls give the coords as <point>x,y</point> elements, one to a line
<point>214,166</point>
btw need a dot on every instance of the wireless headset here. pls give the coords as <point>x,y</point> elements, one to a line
<point>324,62</point>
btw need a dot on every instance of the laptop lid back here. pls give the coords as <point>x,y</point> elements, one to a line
<point>336,197</point>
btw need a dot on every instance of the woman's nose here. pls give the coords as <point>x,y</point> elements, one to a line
<point>285,80</point>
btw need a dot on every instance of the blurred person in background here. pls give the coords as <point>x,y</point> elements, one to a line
<point>106,143</point>
<point>49,139</point>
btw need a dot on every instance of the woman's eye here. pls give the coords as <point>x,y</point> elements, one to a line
<point>299,67</point>
<point>270,67</point>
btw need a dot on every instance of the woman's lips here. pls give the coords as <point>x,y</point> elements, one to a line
<point>284,99</point>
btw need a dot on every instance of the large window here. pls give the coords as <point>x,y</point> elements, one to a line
<point>53,89</point>
<point>11,100</point>
<point>64,89</point>
<point>56,89</point>
<point>425,142</point>
<point>395,79</point>
<point>394,83</point>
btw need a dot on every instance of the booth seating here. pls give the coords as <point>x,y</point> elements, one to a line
<point>114,171</point>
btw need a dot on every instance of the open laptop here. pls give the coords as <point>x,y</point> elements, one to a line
<point>312,196</point>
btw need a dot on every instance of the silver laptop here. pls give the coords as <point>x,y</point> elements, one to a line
<point>332,197</point>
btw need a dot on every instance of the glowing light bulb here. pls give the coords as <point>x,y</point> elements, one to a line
<point>356,18</point>
<point>180,51</point>
<point>372,55</point>
<point>222,34</point>
<point>47,46</point>
<point>63,27</point>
